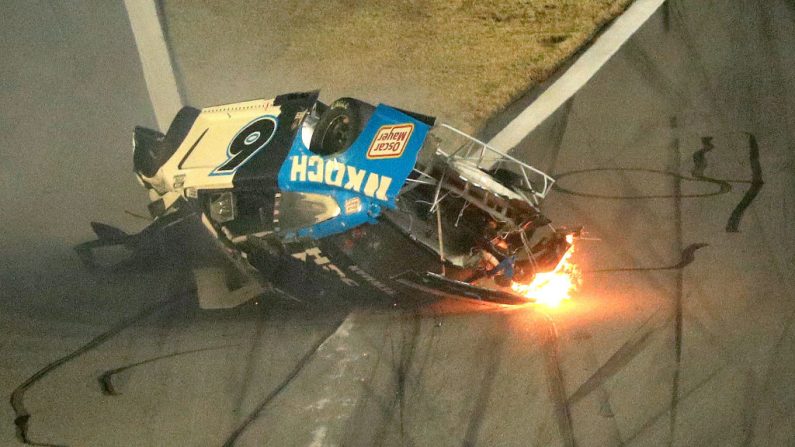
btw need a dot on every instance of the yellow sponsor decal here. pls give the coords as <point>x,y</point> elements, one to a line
<point>390,141</point>
<point>353,205</point>
<point>331,172</point>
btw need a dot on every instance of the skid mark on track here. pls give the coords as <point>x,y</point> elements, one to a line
<point>770,381</point>
<point>678,335</point>
<point>628,351</point>
<point>723,185</point>
<point>401,367</point>
<point>22,416</point>
<point>557,388</point>
<point>561,125</point>
<point>636,343</point>
<point>647,66</point>
<point>688,256</point>
<point>387,400</point>
<point>619,249</point>
<point>407,350</point>
<point>733,225</point>
<point>387,410</point>
<point>430,345</point>
<point>749,409</point>
<point>493,358</point>
<point>353,428</point>
<point>310,354</point>
<point>259,330</point>
<point>700,157</point>
<point>700,165</point>
<point>408,372</point>
<point>678,298</point>
<point>697,175</point>
<point>654,419</point>
<point>106,378</point>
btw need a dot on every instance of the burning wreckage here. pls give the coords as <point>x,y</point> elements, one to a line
<point>294,194</point>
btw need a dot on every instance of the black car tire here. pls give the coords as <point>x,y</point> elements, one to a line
<point>339,126</point>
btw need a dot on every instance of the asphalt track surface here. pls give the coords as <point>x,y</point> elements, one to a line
<point>677,156</point>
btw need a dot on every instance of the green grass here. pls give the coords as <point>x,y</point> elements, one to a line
<point>462,60</point>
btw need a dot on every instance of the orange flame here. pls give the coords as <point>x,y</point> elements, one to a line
<point>551,288</point>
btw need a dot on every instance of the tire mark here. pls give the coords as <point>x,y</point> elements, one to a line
<point>106,378</point>
<point>493,358</point>
<point>558,131</point>
<point>430,345</point>
<point>700,157</point>
<point>680,31</point>
<point>352,431</point>
<point>354,434</point>
<point>232,438</point>
<point>688,256</point>
<point>769,381</point>
<point>386,407</point>
<point>710,337</point>
<point>407,351</point>
<point>700,165</point>
<point>733,225</point>
<point>724,186</point>
<point>618,247</point>
<point>628,351</point>
<point>647,67</point>
<point>557,387</point>
<point>750,407</point>
<point>259,330</point>
<point>697,175</point>
<point>21,414</point>
<point>631,348</point>
<point>678,298</point>
<point>653,420</point>
<point>603,397</point>
<point>592,146</point>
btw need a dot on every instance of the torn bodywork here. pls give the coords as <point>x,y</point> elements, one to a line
<point>349,193</point>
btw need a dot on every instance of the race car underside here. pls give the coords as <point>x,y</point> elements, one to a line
<point>367,195</point>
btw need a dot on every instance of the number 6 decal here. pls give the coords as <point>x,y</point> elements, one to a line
<point>248,141</point>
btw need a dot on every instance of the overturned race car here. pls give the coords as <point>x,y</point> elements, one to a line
<point>292,193</point>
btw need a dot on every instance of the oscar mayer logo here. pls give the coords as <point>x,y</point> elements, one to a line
<point>390,141</point>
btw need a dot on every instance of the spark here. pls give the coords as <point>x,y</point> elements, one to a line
<point>552,288</point>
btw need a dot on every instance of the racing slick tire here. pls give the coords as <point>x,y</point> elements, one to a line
<point>339,126</point>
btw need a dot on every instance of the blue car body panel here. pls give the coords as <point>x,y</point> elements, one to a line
<point>363,179</point>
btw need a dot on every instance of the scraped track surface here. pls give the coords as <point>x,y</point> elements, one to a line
<point>678,156</point>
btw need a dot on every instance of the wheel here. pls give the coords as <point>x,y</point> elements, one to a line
<point>339,126</point>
